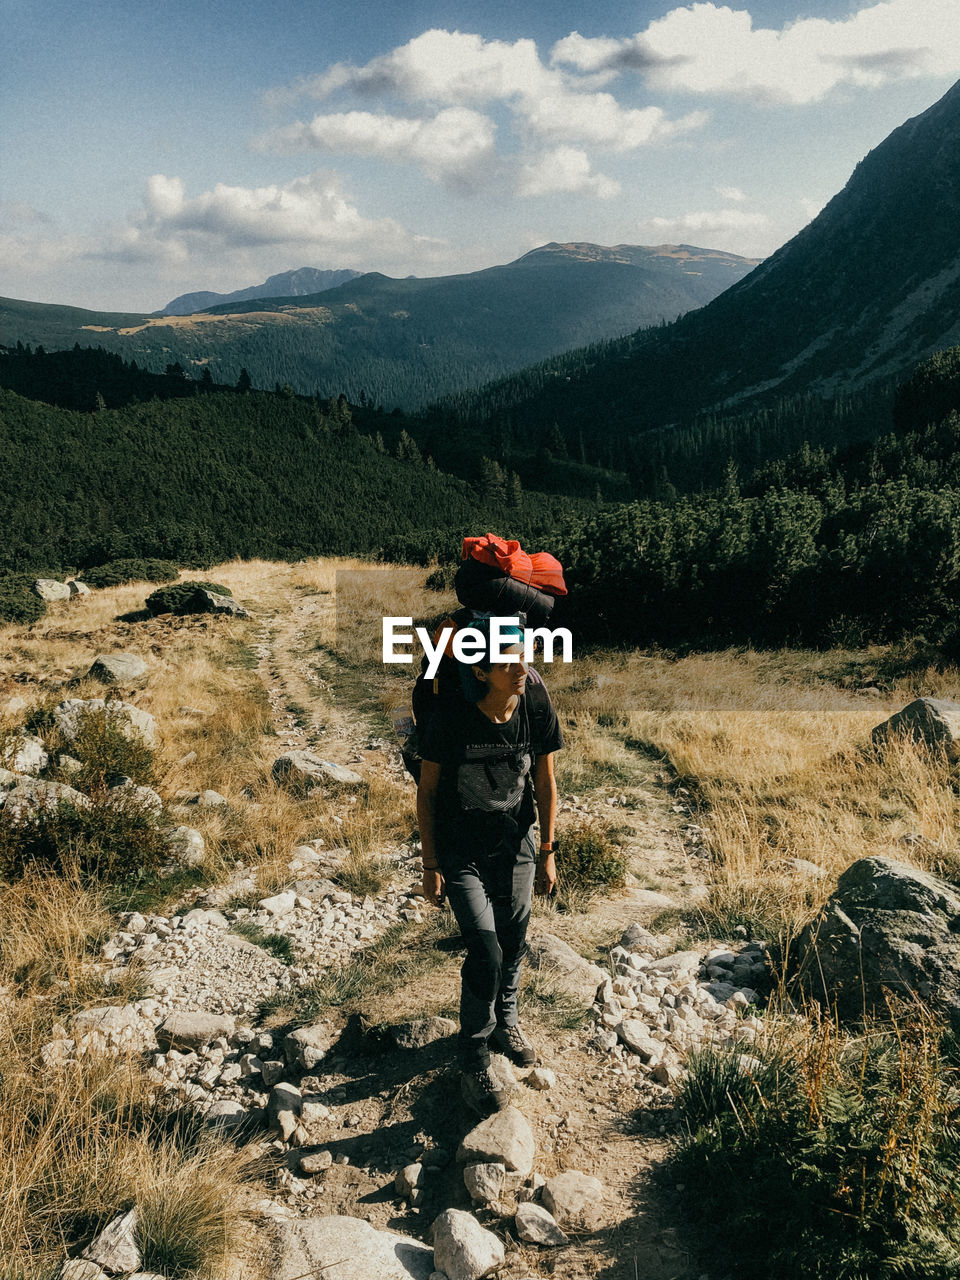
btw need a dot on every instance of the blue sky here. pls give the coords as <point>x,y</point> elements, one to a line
<point>154,148</point>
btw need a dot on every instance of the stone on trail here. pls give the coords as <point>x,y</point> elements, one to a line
<point>280,904</point>
<point>308,1046</point>
<point>932,721</point>
<point>115,1248</point>
<point>886,925</point>
<point>117,668</point>
<point>635,1034</point>
<point>408,1179</point>
<point>462,1249</point>
<point>225,1115</point>
<point>283,1110</point>
<point>541,1078</point>
<point>50,589</point>
<point>485,1182</point>
<point>504,1138</point>
<point>304,769</point>
<point>316,1162</point>
<point>193,1030</point>
<point>347,1249</point>
<point>575,1200</point>
<point>421,1032</point>
<point>556,959</point>
<point>537,1226</point>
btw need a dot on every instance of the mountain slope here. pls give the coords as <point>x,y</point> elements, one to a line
<point>406,342</point>
<point>863,292</point>
<point>289,284</point>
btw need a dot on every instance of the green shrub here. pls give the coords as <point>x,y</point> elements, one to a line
<point>107,842</point>
<point>278,944</point>
<point>104,750</point>
<point>18,600</point>
<point>117,572</point>
<point>180,597</point>
<point>441,579</point>
<point>588,862</point>
<point>836,1158</point>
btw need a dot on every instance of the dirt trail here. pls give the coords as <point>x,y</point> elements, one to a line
<point>597,1119</point>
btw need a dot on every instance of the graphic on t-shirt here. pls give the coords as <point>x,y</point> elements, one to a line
<point>490,779</point>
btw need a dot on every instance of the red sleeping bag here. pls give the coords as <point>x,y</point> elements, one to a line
<point>541,570</point>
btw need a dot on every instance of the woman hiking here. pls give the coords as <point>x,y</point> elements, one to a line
<point>486,759</point>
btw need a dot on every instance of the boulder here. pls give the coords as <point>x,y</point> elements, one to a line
<point>193,1030</point>
<point>81,1269</point>
<point>308,1046</point>
<point>932,721</point>
<point>25,797</point>
<point>303,769</point>
<point>575,1200</point>
<point>462,1249</point>
<point>115,1248</point>
<point>886,926</point>
<point>186,845</point>
<point>50,589</point>
<point>635,1034</point>
<point>225,1115</point>
<point>537,1226</point>
<point>421,1032</point>
<point>141,799</point>
<point>212,602</point>
<point>555,958</point>
<point>130,720</point>
<point>117,668</point>
<point>504,1138</point>
<point>347,1249</point>
<point>24,754</point>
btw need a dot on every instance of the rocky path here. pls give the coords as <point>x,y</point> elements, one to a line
<point>361,1118</point>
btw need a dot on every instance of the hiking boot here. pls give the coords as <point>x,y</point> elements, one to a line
<point>511,1042</point>
<point>482,1091</point>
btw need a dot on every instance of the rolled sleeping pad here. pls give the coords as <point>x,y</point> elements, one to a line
<point>488,590</point>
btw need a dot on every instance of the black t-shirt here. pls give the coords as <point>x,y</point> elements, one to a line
<point>485,796</point>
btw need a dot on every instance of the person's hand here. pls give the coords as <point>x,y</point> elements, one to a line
<point>546,878</point>
<point>433,886</point>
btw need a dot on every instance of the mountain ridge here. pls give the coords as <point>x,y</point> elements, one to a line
<point>286,284</point>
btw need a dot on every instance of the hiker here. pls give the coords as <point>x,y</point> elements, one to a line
<point>486,757</point>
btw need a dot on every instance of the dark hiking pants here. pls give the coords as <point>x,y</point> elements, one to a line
<point>490,897</point>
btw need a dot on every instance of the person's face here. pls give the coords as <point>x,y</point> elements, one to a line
<point>505,678</point>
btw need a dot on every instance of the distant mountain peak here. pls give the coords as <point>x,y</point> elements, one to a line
<point>287,284</point>
<point>639,255</point>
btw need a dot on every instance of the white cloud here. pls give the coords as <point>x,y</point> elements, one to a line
<point>438,66</point>
<point>555,113</point>
<point>309,212</point>
<point>718,223</point>
<point>456,146</point>
<point>811,207</point>
<point>714,49</point>
<point>730,193</point>
<point>599,119</point>
<point>564,169</point>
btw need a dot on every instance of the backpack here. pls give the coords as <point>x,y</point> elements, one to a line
<point>411,721</point>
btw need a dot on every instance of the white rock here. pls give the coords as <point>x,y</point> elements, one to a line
<point>347,1249</point>
<point>304,769</point>
<point>50,589</point>
<point>193,1030</point>
<point>117,668</point>
<point>130,720</point>
<point>537,1226</point>
<point>636,1036</point>
<point>503,1138</point>
<point>81,1269</point>
<point>484,1182</point>
<point>186,845</point>
<point>462,1249</point>
<point>541,1078</point>
<point>115,1248</point>
<point>280,904</point>
<point>308,1046</point>
<point>575,1200</point>
<point>25,754</point>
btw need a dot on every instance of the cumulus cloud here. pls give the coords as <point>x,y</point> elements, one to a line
<point>311,212</point>
<point>599,119</point>
<point>554,113</point>
<point>718,224</point>
<point>564,169</point>
<point>455,147</point>
<point>730,193</point>
<point>714,49</point>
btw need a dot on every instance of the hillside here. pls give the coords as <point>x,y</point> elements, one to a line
<point>863,292</point>
<point>406,342</point>
<point>288,284</point>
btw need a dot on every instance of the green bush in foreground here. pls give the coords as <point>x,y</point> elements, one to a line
<point>18,601</point>
<point>116,573</point>
<point>105,751</point>
<point>588,862</point>
<point>834,1159</point>
<point>179,597</point>
<point>109,842</point>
